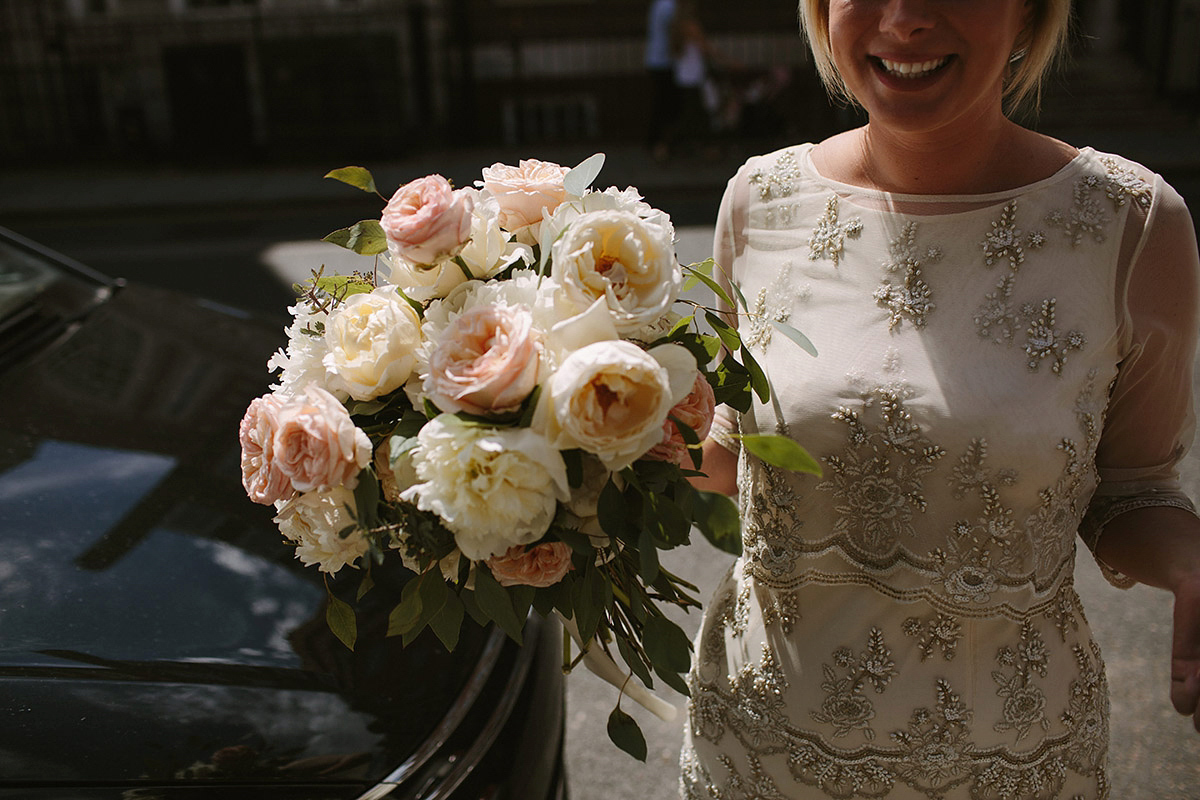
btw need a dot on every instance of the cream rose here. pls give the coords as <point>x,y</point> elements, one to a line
<point>541,565</point>
<point>427,220</point>
<point>301,362</point>
<point>621,257</point>
<point>525,192</point>
<point>491,249</point>
<point>372,339</point>
<point>611,399</point>
<point>485,362</point>
<point>493,488</point>
<point>262,478</point>
<point>316,444</point>
<point>314,522</point>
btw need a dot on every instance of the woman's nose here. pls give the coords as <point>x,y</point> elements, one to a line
<point>904,19</point>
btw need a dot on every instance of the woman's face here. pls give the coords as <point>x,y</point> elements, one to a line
<point>919,65</point>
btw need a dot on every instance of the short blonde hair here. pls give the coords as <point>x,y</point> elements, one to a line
<point>1038,48</point>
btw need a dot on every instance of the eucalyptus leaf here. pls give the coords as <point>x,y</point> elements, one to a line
<point>472,608</point>
<point>365,585</point>
<point>447,623</point>
<point>667,645</point>
<point>358,177</point>
<point>718,518</point>
<point>728,333</point>
<point>758,378</point>
<point>494,601</point>
<point>340,618</point>
<point>579,178</point>
<point>796,336</point>
<point>716,287</point>
<point>587,600</point>
<point>647,557</point>
<point>635,662</point>
<point>403,618</point>
<point>624,732</point>
<point>610,511</point>
<point>781,451</point>
<point>366,499</point>
<point>342,286</point>
<point>365,238</point>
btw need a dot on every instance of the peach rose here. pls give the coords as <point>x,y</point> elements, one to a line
<point>427,220</point>
<point>264,481</point>
<point>526,191</point>
<point>696,411</point>
<point>541,565</point>
<point>316,444</point>
<point>486,361</point>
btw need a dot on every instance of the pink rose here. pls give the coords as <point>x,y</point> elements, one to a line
<point>540,565</point>
<point>525,191</point>
<point>316,444</point>
<point>696,411</point>
<point>264,481</point>
<point>427,220</point>
<point>486,361</point>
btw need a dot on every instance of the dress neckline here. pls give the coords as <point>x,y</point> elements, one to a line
<point>881,198</point>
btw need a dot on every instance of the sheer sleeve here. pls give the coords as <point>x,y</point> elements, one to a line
<point>1149,424</point>
<point>729,239</point>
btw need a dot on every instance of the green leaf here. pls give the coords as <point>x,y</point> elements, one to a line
<point>358,177</point>
<point>781,451</point>
<point>693,280</point>
<point>728,333</point>
<point>647,557</point>
<point>573,459</point>
<point>635,662</point>
<point>365,238</point>
<point>718,518</point>
<point>473,610</point>
<point>579,178</point>
<point>578,541</point>
<point>681,325</point>
<point>711,284</point>
<point>447,623</point>
<point>342,286</point>
<point>667,645</point>
<point>403,618</point>
<point>610,511</point>
<point>587,600</point>
<point>365,585</point>
<point>340,618</point>
<point>494,601</point>
<point>796,336</point>
<point>625,734</point>
<point>758,378</point>
<point>366,499</point>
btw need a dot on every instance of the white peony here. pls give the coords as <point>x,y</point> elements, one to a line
<point>611,399</point>
<point>314,521</point>
<point>626,259</point>
<point>301,363</point>
<point>493,488</point>
<point>372,340</point>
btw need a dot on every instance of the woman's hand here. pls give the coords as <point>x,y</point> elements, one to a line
<point>1185,650</point>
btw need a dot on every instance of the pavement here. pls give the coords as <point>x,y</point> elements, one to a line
<point>1155,755</point>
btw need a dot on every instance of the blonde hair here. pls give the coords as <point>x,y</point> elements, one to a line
<point>1037,49</point>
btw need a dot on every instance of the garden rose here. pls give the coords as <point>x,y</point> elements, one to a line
<point>525,192</point>
<point>493,488</point>
<point>491,249</point>
<point>314,522</point>
<point>372,339</point>
<point>611,399</point>
<point>316,443</point>
<point>486,361</point>
<point>541,565</point>
<point>262,478</point>
<point>427,220</point>
<point>621,257</point>
<point>301,362</point>
<point>696,411</point>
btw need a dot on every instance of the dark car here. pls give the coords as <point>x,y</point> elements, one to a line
<point>157,639</point>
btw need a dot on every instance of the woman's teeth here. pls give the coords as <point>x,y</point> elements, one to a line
<point>913,69</point>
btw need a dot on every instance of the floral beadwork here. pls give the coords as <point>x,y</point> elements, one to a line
<point>912,297</point>
<point>846,708</point>
<point>1124,185</point>
<point>779,180</point>
<point>1024,701</point>
<point>772,304</point>
<point>829,236</point>
<point>939,632</point>
<point>1045,341</point>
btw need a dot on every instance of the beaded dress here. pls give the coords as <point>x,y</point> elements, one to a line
<point>992,370</point>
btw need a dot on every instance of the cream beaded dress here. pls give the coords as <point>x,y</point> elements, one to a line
<point>905,625</point>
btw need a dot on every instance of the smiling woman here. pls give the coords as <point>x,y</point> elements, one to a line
<point>1006,327</point>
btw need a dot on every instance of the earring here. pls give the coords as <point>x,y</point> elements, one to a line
<point>1018,54</point>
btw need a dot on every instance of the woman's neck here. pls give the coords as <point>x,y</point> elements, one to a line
<point>991,158</point>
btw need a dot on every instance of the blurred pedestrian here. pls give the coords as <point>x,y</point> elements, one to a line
<point>660,67</point>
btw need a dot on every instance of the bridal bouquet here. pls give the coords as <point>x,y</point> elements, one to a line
<point>506,399</point>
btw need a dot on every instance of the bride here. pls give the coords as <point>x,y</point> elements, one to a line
<point>1006,326</point>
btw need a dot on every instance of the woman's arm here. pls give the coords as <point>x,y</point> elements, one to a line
<point>1160,546</point>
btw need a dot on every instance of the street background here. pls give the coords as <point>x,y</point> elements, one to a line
<point>239,231</point>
